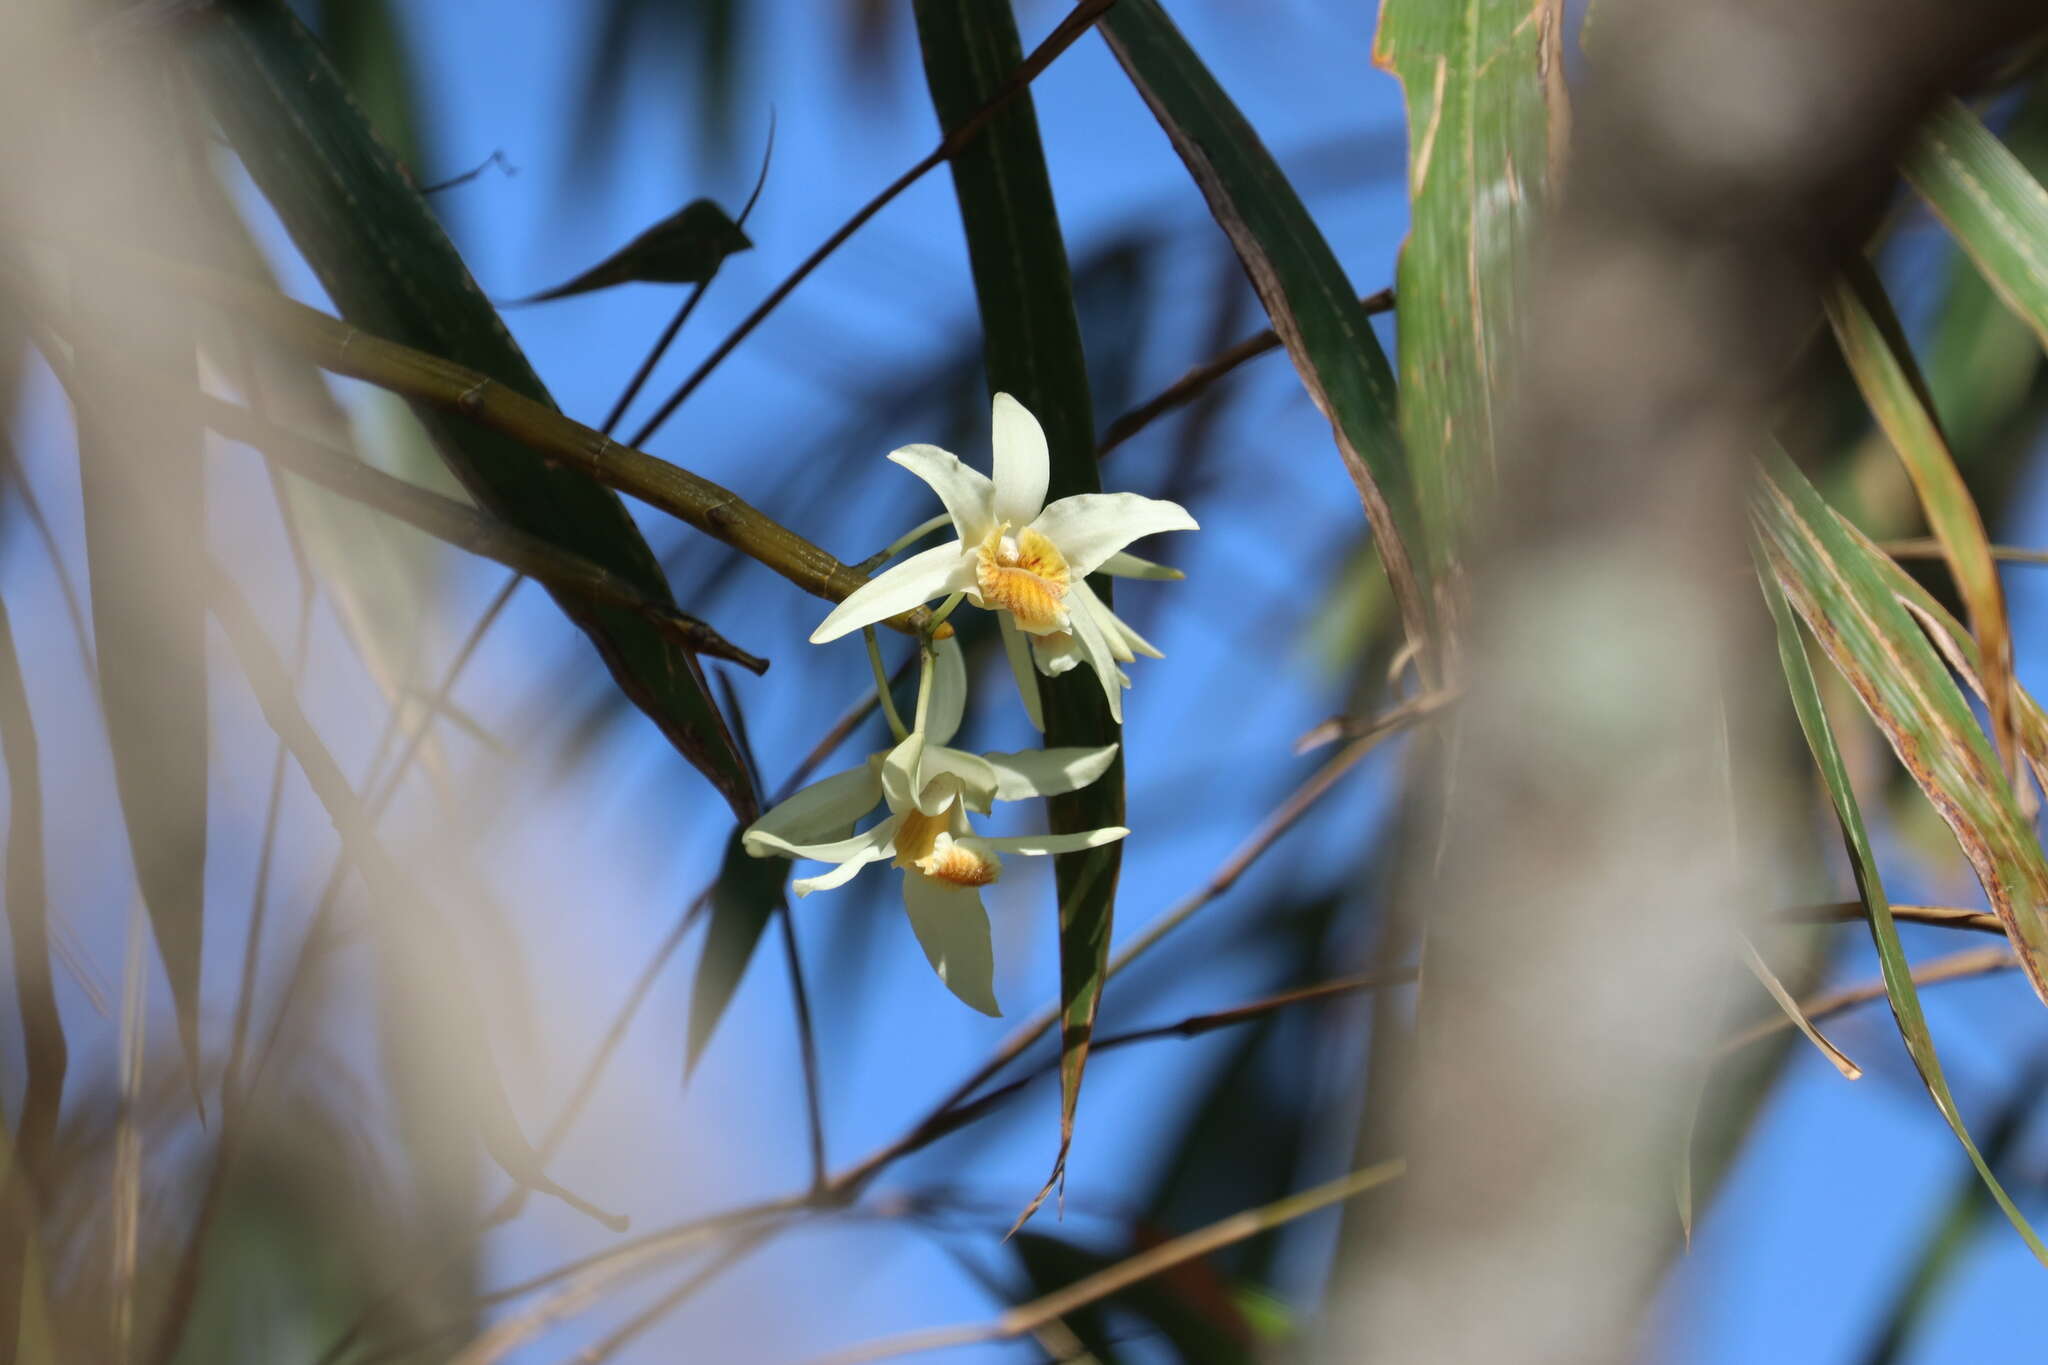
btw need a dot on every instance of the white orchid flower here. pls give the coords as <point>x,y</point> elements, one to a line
<point>1023,559</point>
<point>929,790</point>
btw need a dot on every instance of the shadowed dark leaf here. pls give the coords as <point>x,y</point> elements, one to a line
<point>684,248</point>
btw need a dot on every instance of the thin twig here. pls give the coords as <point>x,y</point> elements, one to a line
<point>1940,916</point>
<point>620,1337</point>
<point>1954,967</point>
<point>1200,377</point>
<point>1078,21</point>
<point>1115,1279</point>
<point>1929,548</point>
<point>127,1195</point>
<point>689,305</point>
<point>496,158</point>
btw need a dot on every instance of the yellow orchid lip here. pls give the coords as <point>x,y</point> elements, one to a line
<point>1025,575</point>
<point>925,845</point>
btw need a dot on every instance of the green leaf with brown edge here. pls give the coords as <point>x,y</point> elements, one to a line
<point>1778,572</point>
<point>1031,342</point>
<point>1484,85</point>
<point>1993,206</point>
<point>684,248</point>
<point>1980,365</point>
<point>1313,307</point>
<point>746,896</point>
<point>380,254</point>
<point>1875,645</point>
<point>1879,356</point>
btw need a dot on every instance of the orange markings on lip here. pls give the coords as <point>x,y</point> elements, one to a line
<point>1026,577</point>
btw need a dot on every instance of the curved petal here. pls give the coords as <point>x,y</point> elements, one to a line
<point>1037,845</point>
<point>1022,466</point>
<point>917,580</point>
<point>882,837</point>
<point>979,781</point>
<point>968,495</point>
<point>1090,527</point>
<point>948,701</point>
<point>901,782</point>
<point>1017,649</point>
<point>1124,642</point>
<point>1055,654</point>
<point>846,871</point>
<point>1124,564</point>
<point>1048,772</point>
<point>824,811</point>
<point>1095,646</point>
<point>952,927</point>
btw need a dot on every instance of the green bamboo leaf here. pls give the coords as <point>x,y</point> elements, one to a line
<point>1868,636</point>
<point>1484,83</point>
<point>1875,347</point>
<point>684,248</point>
<point>1031,341</point>
<point>384,260</point>
<point>747,894</point>
<point>1993,206</point>
<point>1783,572</point>
<point>1313,307</point>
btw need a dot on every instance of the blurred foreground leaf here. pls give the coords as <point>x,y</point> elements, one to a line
<point>386,263</point>
<point>684,248</point>
<point>1032,349</point>
<point>1317,313</point>
<point>1484,84</point>
<point>1790,542</point>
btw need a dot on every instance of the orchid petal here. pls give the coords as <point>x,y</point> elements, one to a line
<point>1095,645</point>
<point>1124,564</point>
<point>978,780</point>
<point>849,869</point>
<point>1038,845</point>
<point>1048,772</point>
<point>826,810</point>
<point>1082,598</point>
<point>952,927</point>
<point>1090,527</point>
<point>1018,652</point>
<point>968,495</point>
<point>1022,465</point>
<point>901,782</point>
<point>838,851</point>
<point>948,700</point>
<point>1055,654</point>
<point>917,580</point>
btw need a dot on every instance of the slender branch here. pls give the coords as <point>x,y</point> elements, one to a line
<point>1078,21</point>
<point>1110,1280</point>
<point>1929,548</point>
<point>1186,388</point>
<point>689,306</point>
<point>344,349</point>
<point>1971,962</point>
<point>496,158</point>
<point>620,1337</point>
<point>807,1038</point>
<point>1941,916</point>
<point>464,526</point>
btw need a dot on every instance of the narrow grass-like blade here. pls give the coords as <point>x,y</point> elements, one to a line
<point>1993,206</point>
<point>1875,346</point>
<point>1484,84</point>
<point>1898,972</point>
<point>1875,645</point>
<point>1032,349</point>
<point>1191,1307</point>
<point>353,212</point>
<point>1314,308</point>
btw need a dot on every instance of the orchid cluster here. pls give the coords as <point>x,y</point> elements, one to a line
<point>1028,562</point>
